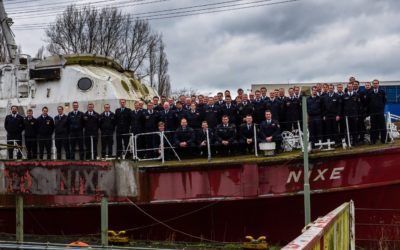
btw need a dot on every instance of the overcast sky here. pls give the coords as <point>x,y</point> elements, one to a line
<point>302,41</point>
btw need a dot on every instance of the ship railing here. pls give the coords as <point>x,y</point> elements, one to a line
<point>391,128</point>
<point>154,152</point>
<point>336,230</point>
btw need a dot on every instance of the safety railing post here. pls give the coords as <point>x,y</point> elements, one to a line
<point>19,204</point>
<point>255,140</point>
<point>208,146</point>
<point>134,148</point>
<point>348,131</point>
<point>162,147</point>
<point>104,221</point>
<point>91,148</point>
<point>53,148</point>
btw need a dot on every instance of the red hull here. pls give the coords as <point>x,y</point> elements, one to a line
<point>227,201</point>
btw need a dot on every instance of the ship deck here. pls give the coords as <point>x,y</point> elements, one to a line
<point>282,157</point>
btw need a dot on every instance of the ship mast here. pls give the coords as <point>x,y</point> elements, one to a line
<point>7,33</point>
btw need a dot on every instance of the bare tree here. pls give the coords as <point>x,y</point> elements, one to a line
<point>107,32</point>
<point>40,53</point>
<point>184,91</point>
<point>164,84</point>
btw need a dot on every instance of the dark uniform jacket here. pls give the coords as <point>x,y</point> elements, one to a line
<point>212,115</point>
<point>246,132</point>
<point>331,105</point>
<point>107,123</point>
<point>123,120</point>
<point>259,110</point>
<point>245,110</point>
<point>194,118</point>
<point>179,114</point>
<point>61,128</point>
<point>151,120</point>
<point>137,121</point>
<point>30,127</point>
<point>45,126</point>
<point>91,123</point>
<point>276,107</point>
<point>169,118</point>
<point>14,126</point>
<point>376,102</point>
<point>201,136</point>
<point>226,133</point>
<point>184,135</point>
<point>292,109</point>
<point>75,121</point>
<point>271,129</point>
<point>231,111</point>
<point>351,104</point>
<point>314,106</point>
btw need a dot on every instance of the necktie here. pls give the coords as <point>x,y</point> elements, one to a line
<point>90,113</point>
<point>75,112</point>
<point>248,127</point>
<point>122,109</point>
<point>376,91</point>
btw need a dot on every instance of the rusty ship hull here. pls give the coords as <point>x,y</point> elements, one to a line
<point>222,200</point>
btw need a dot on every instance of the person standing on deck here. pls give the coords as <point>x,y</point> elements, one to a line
<point>75,124</point>
<point>376,106</point>
<point>61,131</point>
<point>14,125</point>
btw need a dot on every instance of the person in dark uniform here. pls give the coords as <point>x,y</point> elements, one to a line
<point>91,126</point>
<point>361,128</point>
<point>184,139</point>
<point>156,105</point>
<point>314,109</point>
<point>194,117</point>
<point>342,122</point>
<point>122,123</point>
<point>168,117</point>
<point>107,122</point>
<point>246,135</point>
<point>351,102</point>
<point>201,139</point>
<point>165,145</point>
<point>30,127</point>
<point>245,108</point>
<point>259,105</point>
<point>180,112</point>
<point>225,137</point>
<point>331,113</point>
<point>151,119</point>
<point>75,125</point>
<point>230,110</point>
<point>292,111</point>
<point>275,106</point>
<point>45,129</point>
<point>270,131</point>
<point>137,127</point>
<point>14,125</point>
<point>211,113</point>
<point>376,106</point>
<point>61,131</point>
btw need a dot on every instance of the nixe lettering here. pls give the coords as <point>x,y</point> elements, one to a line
<point>320,175</point>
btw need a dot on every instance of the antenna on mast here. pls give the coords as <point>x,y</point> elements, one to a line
<point>8,35</point>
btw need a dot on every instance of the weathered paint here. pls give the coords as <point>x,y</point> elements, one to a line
<point>68,178</point>
<point>228,200</point>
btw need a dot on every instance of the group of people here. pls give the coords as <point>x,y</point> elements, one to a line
<point>194,124</point>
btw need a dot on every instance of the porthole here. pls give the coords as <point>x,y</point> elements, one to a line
<point>85,84</point>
